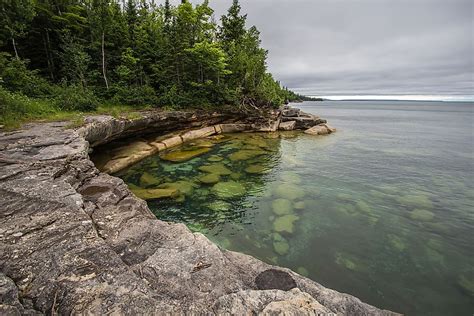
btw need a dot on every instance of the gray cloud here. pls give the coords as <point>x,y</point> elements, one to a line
<point>321,47</point>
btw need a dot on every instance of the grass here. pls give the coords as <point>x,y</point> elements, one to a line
<point>16,110</point>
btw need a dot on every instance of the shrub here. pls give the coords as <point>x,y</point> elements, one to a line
<point>75,98</point>
<point>135,95</point>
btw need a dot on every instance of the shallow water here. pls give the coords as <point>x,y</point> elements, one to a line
<point>383,209</point>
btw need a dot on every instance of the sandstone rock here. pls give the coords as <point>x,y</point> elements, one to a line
<point>172,142</point>
<point>210,178</point>
<point>287,126</point>
<point>194,134</point>
<point>153,194</point>
<point>317,130</point>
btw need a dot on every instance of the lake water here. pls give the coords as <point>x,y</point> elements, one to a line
<point>383,209</point>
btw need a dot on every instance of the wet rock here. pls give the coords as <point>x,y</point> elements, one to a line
<point>246,154</point>
<point>215,159</point>
<point>317,130</point>
<point>183,155</point>
<point>256,169</point>
<point>184,187</point>
<point>282,207</point>
<point>229,189</point>
<point>289,191</point>
<point>153,194</point>
<point>273,279</point>
<point>421,215</point>
<point>216,168</point>
<point>280,244</point>
<point>148,180</point>
<point>211,178</point>
<point>285,223</point>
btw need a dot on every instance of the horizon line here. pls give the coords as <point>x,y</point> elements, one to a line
<point>392,97</point>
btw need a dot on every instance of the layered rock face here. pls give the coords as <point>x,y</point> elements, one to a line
<point>294,119</point>
<point>74,240</point>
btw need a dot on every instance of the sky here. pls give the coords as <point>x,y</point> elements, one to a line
<point>366,47</point>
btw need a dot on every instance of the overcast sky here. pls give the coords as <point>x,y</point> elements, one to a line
<point>327,47</point>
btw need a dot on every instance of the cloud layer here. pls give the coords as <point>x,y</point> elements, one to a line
<point>320,47</point>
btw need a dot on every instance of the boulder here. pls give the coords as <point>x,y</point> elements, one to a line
<point>290,112</point>
<point>287,126</point>
<point>234,128</point>
<point>304,121</point>
<point>317,130</point>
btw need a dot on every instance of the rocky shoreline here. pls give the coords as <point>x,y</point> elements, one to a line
<point>75,240</point>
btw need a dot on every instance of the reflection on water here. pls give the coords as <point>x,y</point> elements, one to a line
<point>382,210</point>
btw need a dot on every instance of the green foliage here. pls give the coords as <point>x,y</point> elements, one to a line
<point>75,98</point>
<point>78,53</point>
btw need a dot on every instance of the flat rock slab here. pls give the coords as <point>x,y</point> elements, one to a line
<point>74,240</point>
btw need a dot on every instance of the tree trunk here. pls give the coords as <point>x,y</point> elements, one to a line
<point>14,48</point>
<point>103,61</point>
<point>50,56</point>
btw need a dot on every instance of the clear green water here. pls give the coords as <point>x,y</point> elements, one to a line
<point>383,209</point>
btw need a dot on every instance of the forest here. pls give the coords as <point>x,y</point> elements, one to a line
<point>78,55</point>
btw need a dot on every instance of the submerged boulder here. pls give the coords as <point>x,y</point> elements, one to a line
<point>210,178</point>
<point>282,207</point>
<point>184,155</point>
<point>229,189</point>
<point>285,223</point>
<point>216,168</point>
<point>289,191</point>
<point>153,194</point>
<point>317,130</point>
<point>256,169</point>
<point>147,180</point>
<point>422,215</point>
<point>246,154</point>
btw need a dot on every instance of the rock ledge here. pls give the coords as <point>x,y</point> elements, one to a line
<point>77,241</point>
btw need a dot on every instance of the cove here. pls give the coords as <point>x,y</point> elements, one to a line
<point>375,210</point>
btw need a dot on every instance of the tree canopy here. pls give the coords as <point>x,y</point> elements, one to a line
<point>135,52</point>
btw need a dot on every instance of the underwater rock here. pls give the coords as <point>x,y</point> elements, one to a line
<point>418,201</point>
<point>216,168</point>
<point>203,143</point>
<point>256,141</point>
<point>215,158</point>
<point>291,177</point>
<point>219,206</point>
<point>466,282</point>
<point>285,223</point>
<point>280,244</point>
<point>301,205</point>
<point>210,178</point>
<point>183,155</point>
<point>256,169</point>
<point>342,260</point>
<point>184,187</point>
<point>422,215</point>
<point>282,207</point>
<point>148,180</point>
<point>363,207</point>
<point>289,191</point>
<point>235,176</point>
<point>396,242</point>
<point>345,197</point>
<point>153,194</point>
<point>229,189</point>
<point>246,154</point>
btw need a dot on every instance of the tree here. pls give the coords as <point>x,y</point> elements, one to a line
<point>16,14</point>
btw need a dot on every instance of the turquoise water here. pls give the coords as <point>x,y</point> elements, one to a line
<point>383,209</point>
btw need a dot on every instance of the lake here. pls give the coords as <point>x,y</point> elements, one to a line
<point>382,209</point>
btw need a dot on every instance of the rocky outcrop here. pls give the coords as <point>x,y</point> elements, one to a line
<point>293,118</point>
<point>321,129</point>
<point>74,240</point>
